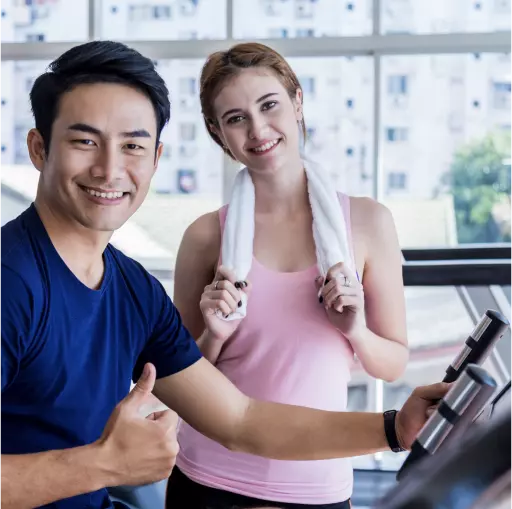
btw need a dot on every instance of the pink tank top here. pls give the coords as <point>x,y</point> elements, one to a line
<point>285,350</point>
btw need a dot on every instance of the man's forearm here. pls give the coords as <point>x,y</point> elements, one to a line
<point>210,347</point>
<point>33,480</point>
<point>295,433</point>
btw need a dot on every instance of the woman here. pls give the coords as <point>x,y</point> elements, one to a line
<point>297,343</point>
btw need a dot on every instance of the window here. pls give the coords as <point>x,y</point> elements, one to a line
<point>305,32</point>
<point>308,84</point>
<point>56,21</point>
<point>278,33</point>
<point>437,175</point>
<point>397,181</point>
<point>187,132</point>
<point>327,82</point>
<point>502,6</point>
<point>501,95</point>
<point>188,86</point>
<point>420,17</point>
<point>135,20</point>
<point>324,18</point>
<point>397,85</point>
<point>187,181</point>
<point>397,134</point>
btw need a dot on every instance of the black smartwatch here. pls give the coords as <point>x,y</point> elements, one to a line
<point>390,430</point>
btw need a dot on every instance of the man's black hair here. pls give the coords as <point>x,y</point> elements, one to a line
<point>96,62</point>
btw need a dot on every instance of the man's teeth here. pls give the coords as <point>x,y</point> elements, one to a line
<point>110,195</point>
<point>267,146</point>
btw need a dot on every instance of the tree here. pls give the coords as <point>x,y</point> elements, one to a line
<point>479,179</point>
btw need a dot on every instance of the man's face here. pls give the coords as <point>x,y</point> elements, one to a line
<point>102,155</point>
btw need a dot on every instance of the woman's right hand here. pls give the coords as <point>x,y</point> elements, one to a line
<point>222,295</point>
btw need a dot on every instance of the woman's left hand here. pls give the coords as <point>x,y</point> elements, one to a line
<point>343,298</point>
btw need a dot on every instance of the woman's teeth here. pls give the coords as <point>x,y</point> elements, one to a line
<point>267,146</point>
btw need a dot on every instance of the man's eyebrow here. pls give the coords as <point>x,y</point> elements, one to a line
<point>262,98</point>
<point>86,128</point>
<point>137,133</point>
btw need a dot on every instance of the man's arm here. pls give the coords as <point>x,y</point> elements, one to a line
<point>133,450</point>
<point>211,404</point>
<point>32,480</point>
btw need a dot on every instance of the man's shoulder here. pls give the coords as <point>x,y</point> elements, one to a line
<point>17,250</point>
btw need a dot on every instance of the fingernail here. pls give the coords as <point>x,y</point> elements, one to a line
<point>239,303</point>
<point>145,372</point>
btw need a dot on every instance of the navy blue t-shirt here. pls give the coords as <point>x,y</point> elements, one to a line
<point>69,353</point>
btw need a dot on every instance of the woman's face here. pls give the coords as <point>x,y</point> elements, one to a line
<point>258,121</point>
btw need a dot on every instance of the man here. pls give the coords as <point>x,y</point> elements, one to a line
<point>80,319</point>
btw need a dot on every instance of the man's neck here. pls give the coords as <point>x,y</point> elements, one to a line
<point>80,248</point>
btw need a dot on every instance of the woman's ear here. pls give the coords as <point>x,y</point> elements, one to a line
<point>298,104</point>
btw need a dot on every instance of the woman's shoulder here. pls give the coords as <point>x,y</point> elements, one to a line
<point>206,228</point>
<point>365,208</point>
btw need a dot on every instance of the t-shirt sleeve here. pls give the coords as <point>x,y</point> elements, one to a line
<point>17,316</point>
<point>171,348</point>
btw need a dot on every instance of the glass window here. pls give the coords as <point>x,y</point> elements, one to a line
<point>340,138</point>
<point>397,181</point>
<point>44,21</point>
<point>187,184</point>
<point>450,164</point>
<point>440,16</point>
<point>163,19</point>
<point>301,18</point>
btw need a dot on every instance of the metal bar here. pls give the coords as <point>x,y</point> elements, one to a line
<point>376,44</point>
<point>377,174</point>
<point>502,372</point>
<point>463,252</point>
<point>457,272</point>
<point>229,19</point>
<point>92,21</point>
<point>377,9</point>
<point>95,17</point>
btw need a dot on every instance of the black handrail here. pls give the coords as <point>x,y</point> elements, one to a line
<point>461,252</point>
<point>457,273</point>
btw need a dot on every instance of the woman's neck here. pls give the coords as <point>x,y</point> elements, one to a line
<point>283,192</point>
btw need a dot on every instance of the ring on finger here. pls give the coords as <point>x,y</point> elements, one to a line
<point>346,280</point>
<point>216,285</point>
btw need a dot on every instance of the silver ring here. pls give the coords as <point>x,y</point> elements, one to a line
<point>346,280</point>
<point>216,285</point>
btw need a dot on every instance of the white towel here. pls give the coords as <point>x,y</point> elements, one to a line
<point>329,228</point>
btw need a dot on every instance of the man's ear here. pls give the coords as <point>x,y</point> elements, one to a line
<point>158,154</point>
<point>36,150</point>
